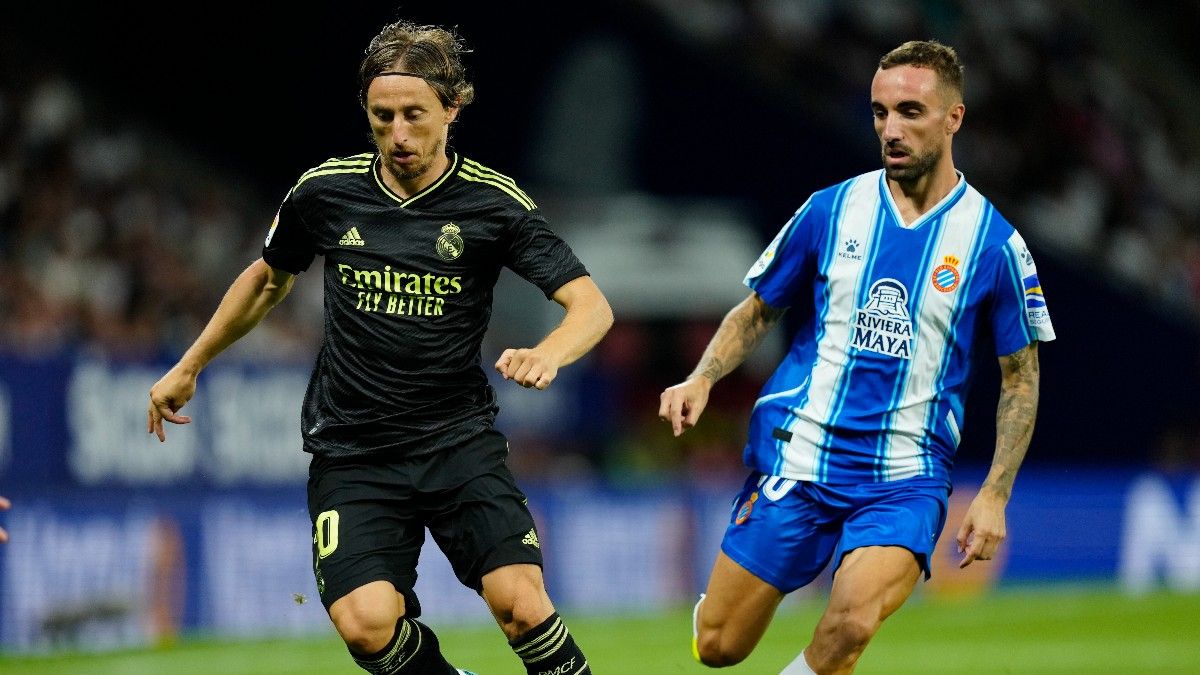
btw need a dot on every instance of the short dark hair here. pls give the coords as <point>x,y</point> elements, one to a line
<point>430,52</point>
<point>931,54</point>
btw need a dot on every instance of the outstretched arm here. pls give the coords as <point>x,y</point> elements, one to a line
<point>256,290</point>
<point>739,333</point>
<point>983,527</point>
<point>587,319</point>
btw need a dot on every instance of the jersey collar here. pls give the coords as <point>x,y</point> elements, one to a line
<point>949,200</point>
<point>376,168</point>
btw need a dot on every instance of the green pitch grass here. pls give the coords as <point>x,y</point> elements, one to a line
<point>1037,631</point>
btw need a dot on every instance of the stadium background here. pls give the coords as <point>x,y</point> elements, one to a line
<point>142,157</point>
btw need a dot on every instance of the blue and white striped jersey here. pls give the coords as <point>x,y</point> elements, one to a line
<point>873,386</point>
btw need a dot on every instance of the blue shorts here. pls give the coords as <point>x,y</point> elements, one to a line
<point>785,531</point>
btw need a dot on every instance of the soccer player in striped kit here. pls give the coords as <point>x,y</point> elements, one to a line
<point>852,439</point>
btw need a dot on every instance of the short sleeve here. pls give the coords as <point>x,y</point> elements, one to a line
<point>540,257</point>
<point>289,245</point>
<point>789,261</point>
<point>1019,314</point>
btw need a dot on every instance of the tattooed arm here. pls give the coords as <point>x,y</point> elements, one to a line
<point>739,333</point>
<point>983,527</point>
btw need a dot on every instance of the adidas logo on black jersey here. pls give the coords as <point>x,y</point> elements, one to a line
<point>352,238</point>
<point>531,539</point>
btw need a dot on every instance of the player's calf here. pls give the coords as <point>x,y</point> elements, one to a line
<point>549,649</point>
<point>517,597</point>
<point>413,649</point>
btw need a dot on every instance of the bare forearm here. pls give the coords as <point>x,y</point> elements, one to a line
<point>256,290</point>
<point>1015,418</point>
<point>588,318</point>
<point>739,334</point>
<point>582,327</point>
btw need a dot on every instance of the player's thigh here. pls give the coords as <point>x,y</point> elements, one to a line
<point>907,514</point>
<point>778,539</point>
<point>736,604</point>
<point>872,583</point>
<point>886,543</point>
<point>484,523</point>
<point>781,531</point>
<point>362,534</point>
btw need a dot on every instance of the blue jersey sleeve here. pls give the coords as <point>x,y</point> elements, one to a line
<point>789,262</point>
<point>1019,315</point>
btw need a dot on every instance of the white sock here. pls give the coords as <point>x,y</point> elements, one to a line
<point>798,667</point>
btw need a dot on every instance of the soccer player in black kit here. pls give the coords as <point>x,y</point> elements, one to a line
<point>399,414</point>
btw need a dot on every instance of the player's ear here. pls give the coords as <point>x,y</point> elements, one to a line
<point>954,118</point>
<point>452,110</point>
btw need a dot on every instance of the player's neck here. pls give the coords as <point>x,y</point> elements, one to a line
<point>916,197</point>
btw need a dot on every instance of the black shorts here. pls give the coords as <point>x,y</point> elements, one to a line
<point>369,517</point>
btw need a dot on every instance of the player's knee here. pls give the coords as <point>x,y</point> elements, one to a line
<point>518,600</point>
<point>523,612</point>
<point>365,638</point>
<point>365,634</point>
<point>851,631</point>
<point>716,650</point>
<point>365,627</point>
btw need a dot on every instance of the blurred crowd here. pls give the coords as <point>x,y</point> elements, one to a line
<point>1085,142</point>
<point>113,239</point>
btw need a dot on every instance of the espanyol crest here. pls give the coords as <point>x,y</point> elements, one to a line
<point>946,276</point>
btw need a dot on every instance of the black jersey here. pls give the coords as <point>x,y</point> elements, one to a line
<point>408,297</point>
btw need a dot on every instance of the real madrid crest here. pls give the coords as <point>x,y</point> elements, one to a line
<point>449,245</point>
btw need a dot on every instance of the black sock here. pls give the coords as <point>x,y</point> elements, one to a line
<point>549,649</point>
<point>412,649</point>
